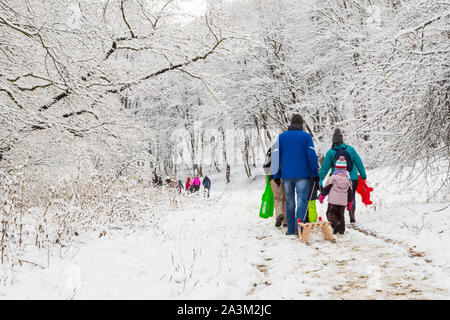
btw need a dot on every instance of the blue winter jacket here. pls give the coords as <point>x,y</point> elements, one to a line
<point>294,155</point>
<point>329,158</point>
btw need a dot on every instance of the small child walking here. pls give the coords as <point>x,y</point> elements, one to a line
<point>339,190</point>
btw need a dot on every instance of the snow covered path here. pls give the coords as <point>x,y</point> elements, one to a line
<point>221,249</point>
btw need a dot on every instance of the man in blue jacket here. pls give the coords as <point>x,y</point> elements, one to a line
<point>294,159</point>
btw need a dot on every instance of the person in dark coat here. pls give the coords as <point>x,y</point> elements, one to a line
<point>206,184</point>
<point>180,186</point>
<point>156,180</point>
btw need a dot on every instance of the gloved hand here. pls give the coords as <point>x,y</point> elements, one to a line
<point>349,206</point>
<point>316,179</point>
<point>277,181</point>
<point>321,198</point>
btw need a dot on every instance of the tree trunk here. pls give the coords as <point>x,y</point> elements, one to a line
<point>224,141</point>
<point>247,166</point>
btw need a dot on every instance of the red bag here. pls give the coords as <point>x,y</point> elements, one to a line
<point>364,190</point>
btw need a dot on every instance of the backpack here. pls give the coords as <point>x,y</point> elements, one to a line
<point>268,162</point>
<point>343,152</point>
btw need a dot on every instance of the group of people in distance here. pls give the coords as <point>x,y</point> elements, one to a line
<point>193,186</point>
<point>294,174</point>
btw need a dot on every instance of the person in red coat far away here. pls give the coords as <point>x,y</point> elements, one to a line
<point>188,184</point>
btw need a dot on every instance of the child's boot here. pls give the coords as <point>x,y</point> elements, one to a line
<point>279,220</point>
<point>336,227</point>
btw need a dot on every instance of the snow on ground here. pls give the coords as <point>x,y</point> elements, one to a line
<point>220,249</point>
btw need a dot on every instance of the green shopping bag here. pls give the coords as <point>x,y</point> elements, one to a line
<point>312,211</point>
<point>266,210</point>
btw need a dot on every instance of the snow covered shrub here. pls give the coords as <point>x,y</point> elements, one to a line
<point>48,216</point>
<point>12,212</point>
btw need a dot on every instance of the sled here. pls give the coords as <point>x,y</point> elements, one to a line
<point>307,227</point>
<point>364,190</point>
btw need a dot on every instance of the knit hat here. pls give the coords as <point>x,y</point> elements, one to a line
<point>341,164</point>
<point>297,121</point>
<point>337,136</point>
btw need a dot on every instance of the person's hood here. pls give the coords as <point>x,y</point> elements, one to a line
<point>340,146</point>
<point>294,127</point>
<point>340,171</point>
<point>341,180</point>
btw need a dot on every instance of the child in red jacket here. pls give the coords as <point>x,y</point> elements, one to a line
<point>189,184</point>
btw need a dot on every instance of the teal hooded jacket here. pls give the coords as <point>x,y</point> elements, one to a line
<point>328,161</point>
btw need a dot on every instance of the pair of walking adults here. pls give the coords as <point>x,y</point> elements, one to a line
<point>295,165</point>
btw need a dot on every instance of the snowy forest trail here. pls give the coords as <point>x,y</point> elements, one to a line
<point>220,249</point>
<point>358,266</point>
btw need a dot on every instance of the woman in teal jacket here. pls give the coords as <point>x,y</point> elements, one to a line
<point>329,161</point>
